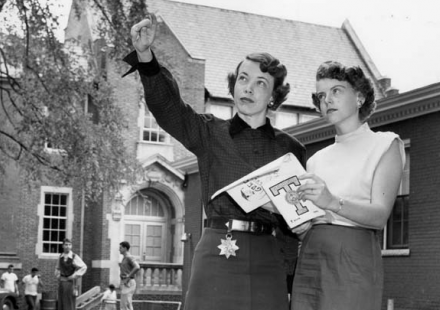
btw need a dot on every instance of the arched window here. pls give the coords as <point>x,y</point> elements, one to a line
<point>144,205</point>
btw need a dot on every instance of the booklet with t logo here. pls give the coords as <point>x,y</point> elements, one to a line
<point>273,187</point>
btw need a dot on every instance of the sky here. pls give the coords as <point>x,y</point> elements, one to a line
<point>401,36</point>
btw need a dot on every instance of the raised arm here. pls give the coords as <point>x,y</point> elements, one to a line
<point>161,91</point>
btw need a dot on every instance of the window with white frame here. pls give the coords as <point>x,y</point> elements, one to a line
<point>308,117</point>
<point>49,146</point>
<point>221,111</point>
<point>55,213</point>
<point>285,119</point>
<point>396,232</point>
<point>151,131</point>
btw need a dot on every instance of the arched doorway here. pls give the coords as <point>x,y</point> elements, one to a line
<point>147,226</point>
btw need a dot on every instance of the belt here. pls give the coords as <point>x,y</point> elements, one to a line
<point>125,277</point>
<point>346,226</point>
<point>255,227</point>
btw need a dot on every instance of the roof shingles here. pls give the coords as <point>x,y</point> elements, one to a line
<point>223,37</point>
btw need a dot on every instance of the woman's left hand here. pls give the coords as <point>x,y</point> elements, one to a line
<point>315,190</point>
<point>301,229</point>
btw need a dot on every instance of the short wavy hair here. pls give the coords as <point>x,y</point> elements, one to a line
<point>356,78</point>
<point>271,65</point>
<point>125,244</point>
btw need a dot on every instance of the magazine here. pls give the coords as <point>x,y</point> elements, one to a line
<point>273,187</point>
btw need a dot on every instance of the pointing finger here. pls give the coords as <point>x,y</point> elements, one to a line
<point>143,23</point>
<point>153,19</point>
<point>138,27</point>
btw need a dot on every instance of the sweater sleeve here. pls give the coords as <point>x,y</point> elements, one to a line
<point>164,101</point>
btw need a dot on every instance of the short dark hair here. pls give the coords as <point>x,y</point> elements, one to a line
<point>34,269</point>
<point>111,287</point>
<point>11,266</point>
<point>271,65</point>
<point>125,244</point>
<point>356,78</point>
<point>66,240</point>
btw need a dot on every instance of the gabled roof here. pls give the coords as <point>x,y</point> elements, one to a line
<point>223,37</point>
<point>88,29</point>
<point>159,159</point>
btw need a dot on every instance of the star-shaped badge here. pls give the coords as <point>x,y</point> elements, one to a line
<point>228,247</point>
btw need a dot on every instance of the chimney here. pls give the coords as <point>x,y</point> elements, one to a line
<point>391,91</point>
<point>384,82</point>
<point>386,88</point>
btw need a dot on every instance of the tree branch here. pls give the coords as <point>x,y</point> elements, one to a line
<point>102,9</point>
<point>22,9</point>
<point>39,158</point>
<point>2,3</point>
<point>16,157</point>
<point>3,103</point>
<point>11,80</point>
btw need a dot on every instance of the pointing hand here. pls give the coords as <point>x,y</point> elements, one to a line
<point>143,34</point>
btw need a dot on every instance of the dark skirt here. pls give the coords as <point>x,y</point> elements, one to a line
<point>254,279</point>
<point>339,268</point>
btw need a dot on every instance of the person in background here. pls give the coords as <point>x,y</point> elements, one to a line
<point>108,299</point>
<point>129,267</point>
<point>355,180</point>
<point>69,268</point>
<point>31,283</point>
<point>237,264</point>
<point>9,280</point>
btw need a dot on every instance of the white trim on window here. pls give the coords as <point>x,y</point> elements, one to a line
<point>221,111</point>
<point>403,190</point>
<point>151,132</point>
<point>284,119</point>
<point>40,212</point>
<point>55,151</point>
<point>401,252</point>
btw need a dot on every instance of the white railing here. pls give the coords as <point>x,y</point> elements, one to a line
<point>159,277</point>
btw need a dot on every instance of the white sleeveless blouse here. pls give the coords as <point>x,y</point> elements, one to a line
<point>348,167</point>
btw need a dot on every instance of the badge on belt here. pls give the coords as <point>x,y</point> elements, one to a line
<point>228,246</point>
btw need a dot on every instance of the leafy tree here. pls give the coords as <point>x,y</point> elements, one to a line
<point>59,120</point>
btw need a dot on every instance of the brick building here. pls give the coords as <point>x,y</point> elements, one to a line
<point>200,45</point>
<point>410,239</point>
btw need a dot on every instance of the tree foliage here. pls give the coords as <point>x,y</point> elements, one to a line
<point>59,120</point>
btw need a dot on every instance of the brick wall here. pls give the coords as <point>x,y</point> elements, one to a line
<point>27,231</point>
<point>9,199</point>
<point>413,281</point>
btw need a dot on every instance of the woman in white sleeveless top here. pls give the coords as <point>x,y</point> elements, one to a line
<point>355,180</point>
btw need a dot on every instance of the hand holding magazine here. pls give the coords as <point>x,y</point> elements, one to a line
<point>273,187</point>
